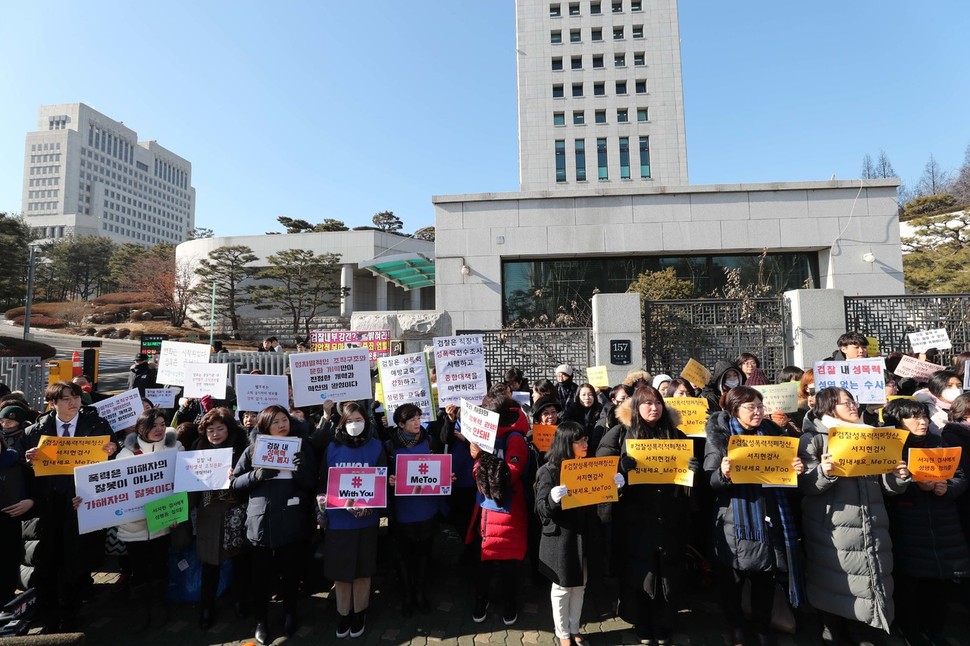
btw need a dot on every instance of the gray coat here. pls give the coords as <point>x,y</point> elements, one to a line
<point>846,532</point>
<point>562,546</point>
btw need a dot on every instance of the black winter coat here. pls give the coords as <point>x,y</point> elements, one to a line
<point>565,533</point>
<point>958,434</point>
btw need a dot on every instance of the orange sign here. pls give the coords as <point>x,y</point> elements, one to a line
<point>934,465</point>
<point>589,481</point>
<point>542,436</point>
<point>865,451</point>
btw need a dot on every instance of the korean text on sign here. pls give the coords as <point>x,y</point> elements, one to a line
<point>861,377</point>
<point>760,459</point>
<point>661,462</point>
<point>865,451</point>
<point>479,425</point>
<point>341,375</point>
<point>460,364</point>
<point>405,380</point>
<point>589,481</point>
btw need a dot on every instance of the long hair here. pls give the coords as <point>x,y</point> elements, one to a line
<point>562,442</point>
<point>639,429</point>
<point>493,477</point>
<point>146,421</point>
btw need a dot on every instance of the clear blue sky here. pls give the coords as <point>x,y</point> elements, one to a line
<point>327,109</point>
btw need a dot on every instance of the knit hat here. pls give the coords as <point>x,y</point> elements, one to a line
<point>661,379</point>
<point>565,369</point>
<point>14,412</point>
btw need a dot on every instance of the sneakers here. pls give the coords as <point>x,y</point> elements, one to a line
<point>481,611</point>
<point>357,623</point>
<point>509,619</point>
<point>343,626</point>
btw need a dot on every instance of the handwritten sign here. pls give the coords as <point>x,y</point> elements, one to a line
<point>422,475</point>
<point>934,465</point>
<point>113,493</point>
<point>274,452</point>
<point>479,426</point>
<point>405,380</point>
<point>763,459</point>
<point>173,358</point>
<point>865,451</point>
<point>542,435</point>
<point>589,481</point>
<point>923,341</point>
<point>693,414</point>
<point>695,373</point>
<point>460,362</point>
<point>597,377</point>
<point>783,397</point>
<point>872,350</point>
<point>661,462</point>
<point>861,377</point>
<point>121,411</point>
<point>256,392</point>
<point>162,397</point>
<point>203,379</point>
<point>57,456</point>
<point>376,342</point>
<point>340,375</point>
<point>205,470</point>
<point>167,511</point>
<point>358,487</point>
<point>911,368</point>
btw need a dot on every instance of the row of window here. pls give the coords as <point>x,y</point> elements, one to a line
<point>44,170</point>
<point>42,206</point>
<point>602,158</point>
<point>595,34</point>
<point>40,194</point>
<point>619,60</point>
<point>599,116</point>
<point>595,7</point>
<point>51,157</point>
<point>599,89</point>
<point>44,181</point>
<point>165,195</point>
<point>119,148</point>
<point>57,123</point>
<point>36,148</point>
<point>138,235</point>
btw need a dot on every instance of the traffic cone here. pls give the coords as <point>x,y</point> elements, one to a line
<point>76,364</point>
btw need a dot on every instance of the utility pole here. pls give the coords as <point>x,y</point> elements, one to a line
<point>30,290</point>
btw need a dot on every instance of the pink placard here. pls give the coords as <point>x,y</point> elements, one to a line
<point>423,475</point>
<point>360,487</point>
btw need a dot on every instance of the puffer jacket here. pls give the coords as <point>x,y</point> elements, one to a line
<point>137,530</point>
<point>848,547</point>
<point>928,540</point>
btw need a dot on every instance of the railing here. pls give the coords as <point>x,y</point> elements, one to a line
<point>537,352</point>
<point>29,374</point>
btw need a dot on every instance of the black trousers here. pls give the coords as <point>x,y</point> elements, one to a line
<point>148,560</point>
<point>508,574</point>
<point>64,558</point>
<point>241,578</point>
<point>731,581</point>
<point>276,569</point>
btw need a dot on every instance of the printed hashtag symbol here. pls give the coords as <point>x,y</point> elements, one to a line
<point>423,468</point>
<point>356,482</point>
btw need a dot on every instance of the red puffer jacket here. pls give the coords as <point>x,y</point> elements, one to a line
<point>504,535</point>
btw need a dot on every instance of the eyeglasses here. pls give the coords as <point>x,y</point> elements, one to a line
<point>753,408</point>
<point>850,403</point>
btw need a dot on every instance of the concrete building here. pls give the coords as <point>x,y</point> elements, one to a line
<point>86,174</point>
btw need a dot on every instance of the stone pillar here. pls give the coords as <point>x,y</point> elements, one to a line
<point>347,280</point>
<point>817,321</point>
<point>616,319</point>
<point>380,291</point>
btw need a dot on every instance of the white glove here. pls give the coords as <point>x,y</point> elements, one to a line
<point>558,493</point>
<point>619,480</point>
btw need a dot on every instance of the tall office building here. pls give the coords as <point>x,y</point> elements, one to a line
<point>601,100</point>
<point>86,174</point>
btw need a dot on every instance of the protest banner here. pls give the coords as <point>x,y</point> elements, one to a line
<point>460,364</point>
<point>57,456</point>
<point>589,481</point>
<point>256,392</point>
<point>115,492</point>
<point>934,465</point>
<point>693,414</point>
<point>542,435</point>
<point>597,377</point>
<point>162,397</point>
<point>376,342</point>
<point>203,379</point>
<point>661,462</point>
<point>422,475</point>
<point>865,451</point>
<point>783,397</point>
<point>966,375</point>
<point>203,470</point>
<point>695,373</point>
<point>763,459</point>
<point>480,426</point>
<point>121,411</point>
<point>358,487</point>
<point>339,375</point>
<point>405,379</point>
<point>912,368</point>
<point>166,512</point>
<point>276,452</point>
<point>174,356</point>
<point>861,377</point>
<point>872,350</point>
<point>923,341</point>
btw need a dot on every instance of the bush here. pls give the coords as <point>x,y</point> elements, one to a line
<point>91,331</point>
<point>103,332</point>
<point>123,333</point>
<point>40,320</point>
<point>14,347</point>
<point>47,309</point>
<point>121,298</point>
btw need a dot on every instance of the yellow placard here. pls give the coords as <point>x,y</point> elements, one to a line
<point>763,459</point>
<point>934,465</point>
<point>783,397</point>
<point>889,398</point>
<point>589,481</point>
<point>865,451</point>
<point>872,350</point>
<point>597,377</point>
<point>695,373</point>
<point>57,456</point>
<point>693,414</point>
<point>661,462</point>
<point>379,392</point>
<point>542,436</point>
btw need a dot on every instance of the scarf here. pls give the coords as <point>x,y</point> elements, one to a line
<point>408,440</point>
<point>748,504</point>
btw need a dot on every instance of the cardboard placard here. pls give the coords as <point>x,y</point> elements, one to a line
<point>405,379</point>
<point>460,364</point>
<point>58,456</point>
<point>934,465</point>
<point>923,341</point>
<point>542,435</point>
<point>661,462</point>
<point>864,378</point>
<point>203,379</point>
<point>205,470</point>
<point>339,375</point>
<point>121,411</point>
<point>763,459</point>
<point>783,397</point>
<point>695,373</point>
<point>865,451</point>
<point>358,487</point>
<point>173,358</point>
<point>597,377</point>
<point>479,425</point>
<point>693,414</point>
<point>162,397</point>
<point>589,481</point>
<point>422,475</point>
<point>167,511</point>
<point>911,368</point>
<point>276,452</point>
<point>256,392</point>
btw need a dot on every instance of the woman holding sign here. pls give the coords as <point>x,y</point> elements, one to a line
<point>755,534</point>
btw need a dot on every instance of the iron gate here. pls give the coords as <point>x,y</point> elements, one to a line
<point>536,352</point>
<point>28,374</point>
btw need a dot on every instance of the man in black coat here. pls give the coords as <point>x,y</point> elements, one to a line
<point>141,376</point>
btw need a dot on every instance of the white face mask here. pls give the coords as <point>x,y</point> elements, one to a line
<point>354,428</point>
<point>949,394</point>
<point>731,383</point>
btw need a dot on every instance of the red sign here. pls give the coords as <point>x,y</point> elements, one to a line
<point>423,475</point>
<point>358,487</point>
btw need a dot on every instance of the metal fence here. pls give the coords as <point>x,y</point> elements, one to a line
<point>28,374</point>
<point>890,318</point>
<point>270,363</point>
<point>536,352</point>
<point>709,329</point>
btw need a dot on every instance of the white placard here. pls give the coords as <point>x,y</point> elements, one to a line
<point>923,341</point>
<point>405,380</point>
<point>522,398</point>
<point>203,379</point>
<point>910,368</point>
<point>162,397</point>
<point>121,411</point>
<point>861,377</point>
<point>479,425</point>
<point>173,357</point>
<point>115,492</point>
<point>256,392</point>
<point>340,375</point>
<point>783,397</point>
<point>205,470</point>
<point>274,452</point>
<point>460,364</point>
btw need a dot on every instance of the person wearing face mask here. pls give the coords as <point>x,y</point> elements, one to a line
<point>726,376</point>
<point>929,547</point>
<point>943,387</point>
<point>350,543</point>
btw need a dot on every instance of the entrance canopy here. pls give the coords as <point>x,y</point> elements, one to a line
<point>406,270</point>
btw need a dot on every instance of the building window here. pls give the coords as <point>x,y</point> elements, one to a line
<point>619,60</point>
<point>641,86</point>
<point>638,31</point>
<point>576,62</point>
<point>636,5</point>
<point>639,59</point>
<point>622,115</point>
<point>556,63</point>
<point>617,6</point>
<point>642,114</point>
<point>595,8</point>
<point>601,164</point>
<point>624,158</point>
<point>573,8</point>
<point>618,33</point>
<point>600,116</point>
<point>557,91</point>
<point>579,117</point>
<point>575,36</point>
<point>621,87</point>
<point>560,160</point>
<point>555,10</point>
<point>645,157</point>
<point>599,89</point>
<point>580,160</point>
<point>558,118</point>
<point>555,37</point>
<point>577,89</point>
<point>597,61</point>
<point>596,34</point>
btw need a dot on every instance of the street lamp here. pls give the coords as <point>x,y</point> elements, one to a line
<point>30,289</point>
